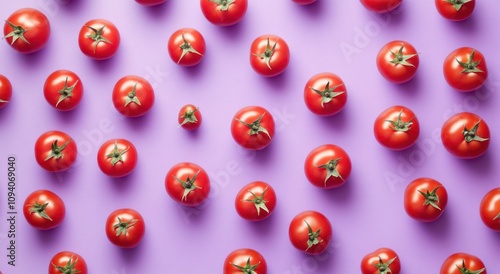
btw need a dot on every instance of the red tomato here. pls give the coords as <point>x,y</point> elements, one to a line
<point>5,91</point>
<point>381,261</point>
<point>253,127</point>
<point>397,128</point>
<point>325,94</point>
<point>224,12</point>
<point>465,69</point>
<point>269,55</point>
<point>189,117</point>
<point>186,47</point>
<point>425,199</point>
<point>327,166</point>
<point>243,261</point>
<point>27,30</point>
<point>381,6</point>
<point>125,228</point>
<point>304,2</point>
<point>150,2</point>
<point>455,10</point>
<point>66,262</point>
<point>63,90</point>
<point>99,39</point>
<point>187,184</point>
<point>490,209</point>
<point>255,201</point>
<point>463,263</point>
<point>133,96</point>
<point>44,210</point>
<point>310,232</point>
<point>117,157</point>
<point>398,61</point>
<point>55,151</point>
<point>466,135</point>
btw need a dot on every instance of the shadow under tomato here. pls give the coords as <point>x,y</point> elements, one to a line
<point>34,61</point>
<point>482,166</point>
<point>342,195</point>
<point>312,11</point>
<point>410,89</point>
<point>264,156</point>
<point>49,238</point>
<point>262,229</point>
<point>235,32</point>
<point>72,5</point>
<point>67,117</point>
<point>439,230</point>
<point>156,12</point>
<point>466,27</point>
<point>141,123</point>
<point>334,123</point>
<point>106,65</point>
<point>277,83</point>
<point>130,256</point>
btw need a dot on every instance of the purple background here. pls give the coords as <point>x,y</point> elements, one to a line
<point>366,213</point>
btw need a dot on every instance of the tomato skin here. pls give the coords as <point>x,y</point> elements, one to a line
<point>51,160</point>
<point>193,193</point>
<point>108,41</point>
<point>386,254</point>
<point>304,2</point>
<point>397,136</point>
<point>55,210</point>
<point>448,11</point>
<point>67,261</point>
<point>137,87</point>
<point>453,138</point>
<point>335,93</point>
<point>120,150</point>
<point>189,117</point>
<point>245,136</point>
<point>133,226</point>
<point>454,73</point>
<point>239,257</point>
<point>489,209</point>
<point>381,6</point>
<point>5,91</point>
<point>36,26</point>
<point>415,202</point>
<point>215,13</point>
<point>317,166</point>
<point>298,231</point>
<point>255,195</point>
<point>453,262</point>
<point>398,61</point>
<point>194,44</point>
<point>57,87</point>
<point>261,52</point>
<point>150,3</point>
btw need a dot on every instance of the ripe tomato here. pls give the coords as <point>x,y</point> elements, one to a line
<point>381,6</point>
<point>188,184</point>
<point>304,2</point>
<point>425,199</point>
<point>327,166</point>
<point>381,261</point>
<point>67,262</point>
<point>55,151</point>
<point>490,209</point>
<point>44,210</point>
<point>117,157</point>
<point>150,2</point>
<point>27,30</point>
<point>255,201</point>
<point>224,12</point>
<point>310,232</point>
<point>245,260</point>
<point>189,117</point>
<point>133,96</point>
<point>398,61</point>
<point>63,90</point>
<point>253,127</point>
<point>5,91</point>
<point>460,263</point>
<point>125,227</point>
<point>99,39</point>
<point>397,128</point>
<point>325,94</point>
<point>455,10</point>
<point>269,55</point>
<point>186,47</point>
<point>465,69</point>
<point>466,135</point>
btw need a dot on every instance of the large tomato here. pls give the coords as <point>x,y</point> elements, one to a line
<point>189,117</point>
<point>425,199</point>
<point>27,30</point>
<point>44,210</point>
<point>310,232</point>
<point>381,6</point>
<point>117,157</point>
<point>381,261</point>
<point>253,127</point>
<point>466,135</point>
<point>67,262</point>
<point>187,184</point>
<point>55,151</point>
<point>186,47</point>
<point>397,128</point>
<point>255,201</point>
<point>245,261</point>
<point>224,12</point>
<point>462,263</point>
<point>125,227</point>
<point>99,39</point>
<point>5,91</point>
<point>325,94</point>
<point>269,55</point>
<point>398,61</point>
<point>465,69</point>
<point>455,10</point>
<point>149,3</point>
<point>327,166</point>
<point>489,209</point>
<point>63,90</point>
<point>133,96</point>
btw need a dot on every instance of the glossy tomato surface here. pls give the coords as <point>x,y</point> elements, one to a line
<point>224,12</point>
<point>269,55</point>
<point>55,151</point>
<point>310,232</point>
<point>186,47</point>
<point>63,90</point>
<point>465,69</point>
<point>398,61</point>
<point>325,94</point>
<point>328,166</point>
<point>425,199</point>
<point>456,10</point>
<point>67,262</point>
<point>117,157</point>
<point>188,184</point>
<point>397,128</point>
<point>245,260</point>
<point>381,261</point>
<point>99,39</point>
<point>27,30</point>
<point>253,127</point>
<point>489,209</point>
<point>5,91</point>
<point>133,96</point>
<point>381,6</point>
<point>463,263</point>
<point>125,228</point>
<point>44,210</point>
<point>466,135</point>
<point>256,201</point>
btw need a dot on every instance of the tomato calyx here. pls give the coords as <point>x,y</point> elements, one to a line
<point>268,53</point>
<point>470,66</point>
<point>40,210</point>
<point>255,127</point>
<point>188,185</point>
<point>132,97</point>
<point>69,268</point>
<point>401,59</point>
<point>189,117</point>
<point>331,169</point>
<point>223,5</point>
<point>116,154</point>
<point>187,48</point>
<point>457,4</point>
<point>471,134</point>
<point>384,268</point>
<point>327,94</point>
<point>258,201</point>
<point>248,268</point>
<point>16,33</point>
<point>465,270</point>
<point>57,151</point>
<point>122,227</point>
<point>431,198</point>
<point>97,36</point>
<point>400,125</point>
<point>312,237</point>
<point>496,217</point>
<point>66,91</point>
